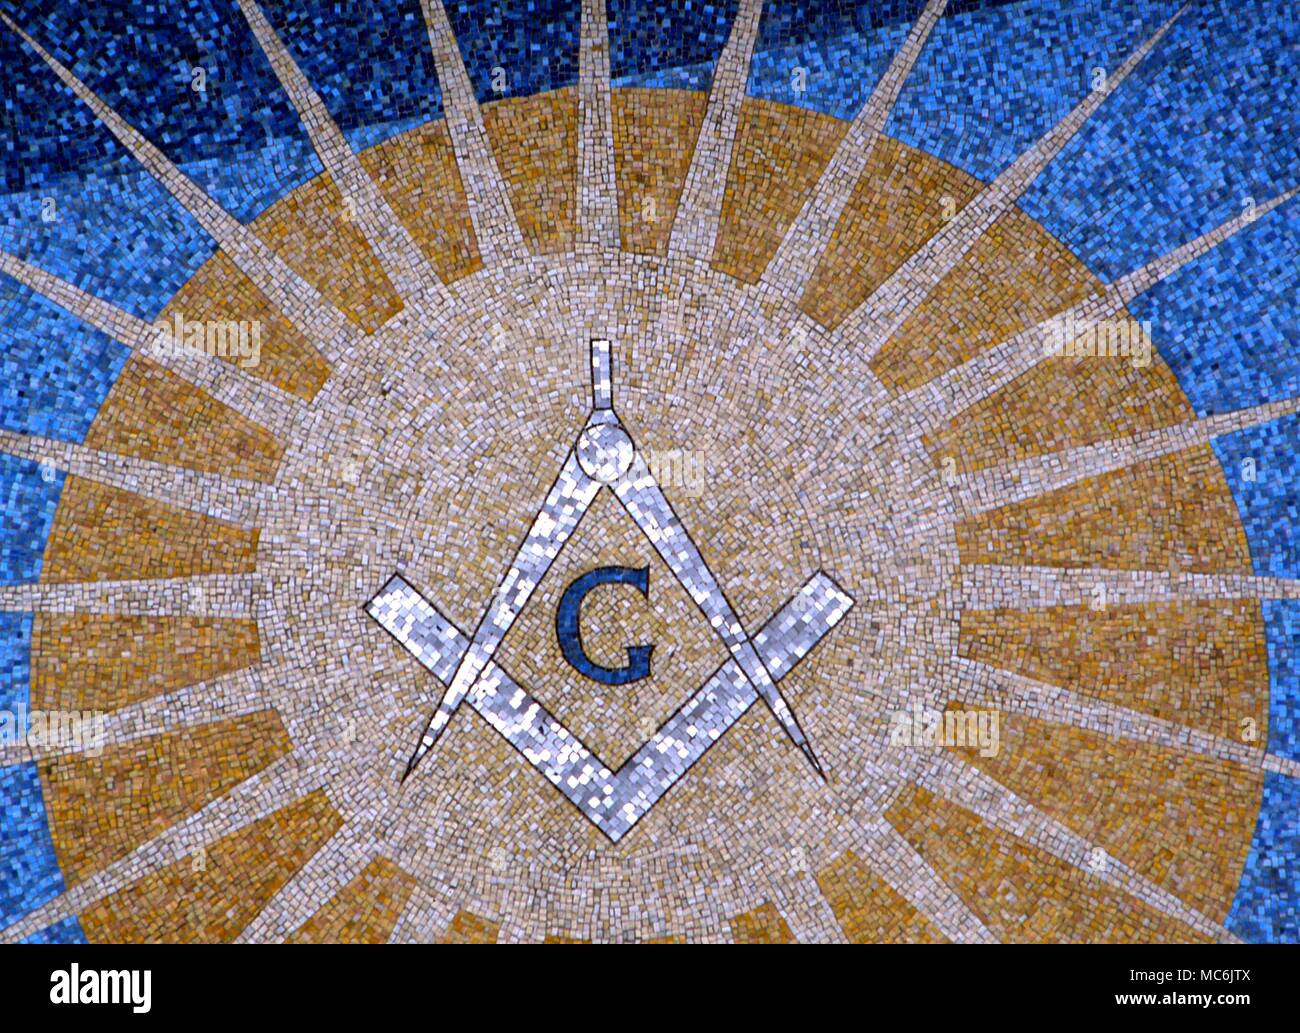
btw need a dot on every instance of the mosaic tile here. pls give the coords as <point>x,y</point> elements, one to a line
<point>54,370</point>
<point>364,911</point>
<point>995,78</point>
<point>1226,323</point>
<point>1267,908</point>
<point>667,45</point>
<point>682,697</point>
<point>27,858</point>
<point>101,808</point>
<point>30,493</point>
<point>106,662</point>
<point>159,541</point>
<point>209,898</point>
<point>534,43</point>
<point>1186,139</point>
<point>1018,890</point>
<point>371,65</point>
<point>827,56</point>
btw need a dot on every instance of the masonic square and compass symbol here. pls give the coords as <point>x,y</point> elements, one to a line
<point>605,456</point>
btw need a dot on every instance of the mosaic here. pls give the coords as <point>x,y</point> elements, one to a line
<point>754,471</point>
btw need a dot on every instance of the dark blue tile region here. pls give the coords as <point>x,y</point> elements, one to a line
<point>992,81</point>
<point>1282,622</point>
<point>1262,467</point>
<point>15,661</point>
<point>55,370</point>
<point>371,63</point>
<point>77,205</point>
<point>1267,905</point>
<point>239,137</point>
<point>66,931</point>
<point>1228,324</point>
<point>1207,120</point>
<point>827,56</point>
<point>28,497</point>
<point>533,43</point>
<point>667,43</point>
<point>29,869</point>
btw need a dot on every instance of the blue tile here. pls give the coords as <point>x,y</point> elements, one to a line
<point>239,137</point>
<point>28,497</point>
<point>841,47</point>
<point>533,42</point>
<point>15,661</point>
<point>1282,621</point>
<point>371,63</point>
<point>662,44</point>
<point>77,205</point>
<point>1269,503</point>
<point>1267,905</point>
<point>1197,127</point>
<point>67,931</point>
<point>55,371</point>
<point>29,869</point>
<point>992,81</point>
<point>1228,324</point>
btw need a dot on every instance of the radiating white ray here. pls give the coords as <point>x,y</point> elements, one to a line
<point>880,847</point>
<point>495,224</point>
<point>992,586</point>
<point>695,227</point>
<point>967,787</point>
<point>979,683</point>
<point>951,393</point>
<point>597,186</point>
<point>796,259</point>
<point>204,595</point>
<point>1013,483</point>
<point>425,917</point>
<point>300,302</point>
<point>887,309</point>
<point>229,695</point>
<point>391,242</point>
<point>313,885</point>
<point>278,785</point>
<point>224,498</point>
<point>227,382</point>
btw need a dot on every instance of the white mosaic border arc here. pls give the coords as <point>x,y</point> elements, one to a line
<point>614,801</point>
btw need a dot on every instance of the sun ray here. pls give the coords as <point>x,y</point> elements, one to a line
<point>883,850</point>
<point>695,226</point>
<point>992,586</point>
<point>597,186</point>
<point>326,872</point>
<point>984,684</point>
<point>1012,483</point>
<point>224,498</point>
<point>300,302</point>
<point>203,595</point>
<point>490,209</point>
<point>993,803</point>
<point>390,241</point>
<point>281,783</point>
<point>425,918</point>
<point>235,694</point>
<point>807,237</point>
<point>887,309</point>
<point>950,394</point>
<point>806,910</point>
<point>224,381</point>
